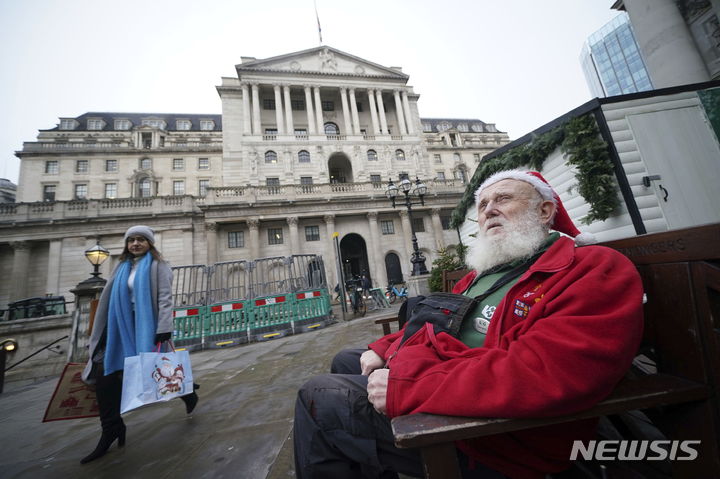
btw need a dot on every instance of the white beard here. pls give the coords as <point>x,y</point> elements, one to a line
<point>519,239</point>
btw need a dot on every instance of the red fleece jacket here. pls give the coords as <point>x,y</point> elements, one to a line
<point>559,341</point>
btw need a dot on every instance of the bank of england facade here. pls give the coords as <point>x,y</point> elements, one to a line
<point>303,148</point>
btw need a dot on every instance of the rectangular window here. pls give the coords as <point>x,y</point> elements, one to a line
<point>312,233</point>
<point>236,239</point>
<point>155,123</point>
<point>95,124</point>
<point>110,190</point>
<point>207,125</point>
<point>81,166</point>
<point>52,167</point>
<point>122,124</point>
<point>476,157</point>
<point>437,158</point>
<point>387,227</point>
<point>275,236</point>
<point>183,125</point>
<point>376,181</point>
<point>67,124</point>
<point>271,131</point>
<point>202,187</point>
<point>418,225</point>
<point>445,221</point>
<point>49,192</point>
<point>178,164</point>
<point>178,187</point>
<point>273,185</point>
<point>111,166</point>
<point>306,183</point>
<point>268,104</point>
<point>440,175</point>
<point>327,105</point>
<point>297,104</point>
<point>81,192</point>
<point>300,132</point>
<point>203,163</point>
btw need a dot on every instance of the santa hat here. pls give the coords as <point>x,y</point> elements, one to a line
<point>561,222</point>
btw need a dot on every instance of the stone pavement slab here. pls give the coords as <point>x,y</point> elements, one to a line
<point>240,428</point>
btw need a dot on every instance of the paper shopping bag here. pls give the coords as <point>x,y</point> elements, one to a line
<point>155,377</point>
<point>72,399</point>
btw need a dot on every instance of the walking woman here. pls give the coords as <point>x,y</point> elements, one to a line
<point>134,315</point>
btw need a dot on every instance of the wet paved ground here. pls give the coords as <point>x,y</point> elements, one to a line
<point>241,427</point>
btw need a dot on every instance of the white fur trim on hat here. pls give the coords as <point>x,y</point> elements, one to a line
<point>543,188</point>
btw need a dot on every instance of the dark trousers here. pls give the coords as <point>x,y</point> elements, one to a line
<point>108,390</point>
<point>339,434</point>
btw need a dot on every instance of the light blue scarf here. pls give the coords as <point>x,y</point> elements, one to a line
<point>130,332</point>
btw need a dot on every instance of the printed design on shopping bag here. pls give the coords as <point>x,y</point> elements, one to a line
<point>168,376</point>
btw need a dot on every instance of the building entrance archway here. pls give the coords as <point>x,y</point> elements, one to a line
<point>393,268</point>
<point>353,252</point>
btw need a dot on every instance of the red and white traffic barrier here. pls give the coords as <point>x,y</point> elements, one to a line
<point>264,301</point>
<point>225,307</point>
<point>308,295</point>
<point>181,313</point>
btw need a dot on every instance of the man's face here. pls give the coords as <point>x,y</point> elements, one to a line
<point>501,204</point>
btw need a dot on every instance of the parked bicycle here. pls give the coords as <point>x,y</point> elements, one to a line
<point>354,289</point>
<point>392,293</point>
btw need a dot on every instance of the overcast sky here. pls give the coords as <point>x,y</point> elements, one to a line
<point>514,63</point>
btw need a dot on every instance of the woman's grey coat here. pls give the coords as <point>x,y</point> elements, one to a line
<point>161,295</point>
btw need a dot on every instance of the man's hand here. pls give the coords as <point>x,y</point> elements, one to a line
<point>370,361</point>
<point>377,389</point>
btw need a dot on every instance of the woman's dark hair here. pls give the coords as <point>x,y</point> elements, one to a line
<point>126,254</point>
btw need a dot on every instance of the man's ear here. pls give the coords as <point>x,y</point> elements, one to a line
<point>547,211</point>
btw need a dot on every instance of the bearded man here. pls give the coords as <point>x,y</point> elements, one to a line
<point>555,328</point>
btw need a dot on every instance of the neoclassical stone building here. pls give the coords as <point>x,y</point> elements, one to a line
<point>303,149</point>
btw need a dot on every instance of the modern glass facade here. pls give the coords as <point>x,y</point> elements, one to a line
<point>612,62</point>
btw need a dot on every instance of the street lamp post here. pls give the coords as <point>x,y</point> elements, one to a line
<point>406,186</point>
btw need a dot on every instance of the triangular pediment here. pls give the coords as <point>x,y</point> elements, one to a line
<point>320,60</point>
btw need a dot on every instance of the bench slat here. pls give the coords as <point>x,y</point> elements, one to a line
<point>417,430</point>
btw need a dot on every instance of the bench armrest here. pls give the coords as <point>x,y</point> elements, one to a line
<point>385,322</point>
<point>419,430</point>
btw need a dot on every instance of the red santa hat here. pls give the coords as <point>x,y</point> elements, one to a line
<point>561,222</point>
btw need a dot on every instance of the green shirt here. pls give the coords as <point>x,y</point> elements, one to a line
<point>474,328</point>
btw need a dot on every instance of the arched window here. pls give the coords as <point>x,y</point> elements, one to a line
<point>399,155</point>
<point>304,156</point>
<point>145,164</point>
<point>331,129</point>
<point>145,188</point>
<point>270,157</point>
<point>372,155</point>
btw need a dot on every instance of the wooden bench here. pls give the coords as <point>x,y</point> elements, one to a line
<point>680,271</point>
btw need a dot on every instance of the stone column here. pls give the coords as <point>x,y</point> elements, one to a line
<point>247,123</point>
<point>399,112</point>
<point>437,228</point>
<point>373,112</point>
<point>381,111</point>
<point>289,126</point>
<point>53,273</point>
<point>318,112</point>
<point>256,127</point>
<point>292,222</point>
<point>20,270</point>
<point>668,48</point>
<point>407,239</point>
<point>278,110</point>
<point>408,114</point>
<point>254,237</point>
<point>376,257</point>
<point>211,237</point>
<point>309,110</point>
<point>346,112</point>
<point>353,109</point>
<point>331,260</point>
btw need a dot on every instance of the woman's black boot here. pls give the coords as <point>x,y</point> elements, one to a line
<point>109,395</point>
<point>191,399</point>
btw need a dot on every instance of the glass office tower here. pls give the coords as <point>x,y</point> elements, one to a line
<point>612,62</point>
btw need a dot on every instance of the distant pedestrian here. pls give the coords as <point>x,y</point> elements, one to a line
<point>134,315</point>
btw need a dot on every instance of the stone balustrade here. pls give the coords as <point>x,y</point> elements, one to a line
<point>58,210</point>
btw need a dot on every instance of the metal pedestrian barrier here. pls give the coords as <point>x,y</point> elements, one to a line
<point>245,301</point>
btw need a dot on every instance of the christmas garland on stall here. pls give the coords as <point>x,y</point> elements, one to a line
<point>584,148</point>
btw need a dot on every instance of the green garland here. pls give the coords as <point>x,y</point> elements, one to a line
<point>584,148</point>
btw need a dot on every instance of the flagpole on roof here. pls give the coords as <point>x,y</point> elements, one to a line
<point>317,17</point>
